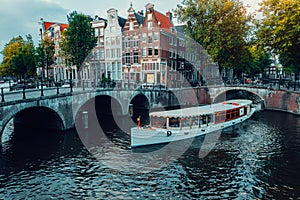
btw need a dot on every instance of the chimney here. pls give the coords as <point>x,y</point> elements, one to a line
<point>170,15</point>
<point>141,12</point>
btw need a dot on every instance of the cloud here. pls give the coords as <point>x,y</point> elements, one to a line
<point>20,17</point>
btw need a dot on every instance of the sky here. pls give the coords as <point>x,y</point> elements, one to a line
<point>22,17</point>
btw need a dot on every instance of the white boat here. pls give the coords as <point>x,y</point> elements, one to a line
<point>180,124</point>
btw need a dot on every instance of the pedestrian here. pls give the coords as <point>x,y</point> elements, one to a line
<point>139,121</point>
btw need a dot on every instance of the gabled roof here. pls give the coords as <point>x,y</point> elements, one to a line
<point>139,18</point>
<point>47,25</point>
<point>121,21</point>
<point>165,22</point>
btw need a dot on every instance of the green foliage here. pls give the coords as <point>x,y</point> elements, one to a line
<point>279,30</point>
<point>261,59</point>
<point>19,57</point>
<point>78,39</point>
<point>45,53</point>
<point>221,27</point>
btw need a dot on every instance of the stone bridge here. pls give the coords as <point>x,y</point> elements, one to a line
<point>60,110</point>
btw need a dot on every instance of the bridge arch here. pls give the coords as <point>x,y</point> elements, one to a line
<point>237,93</point>
<point>97,107</point>
<point>33,115</point>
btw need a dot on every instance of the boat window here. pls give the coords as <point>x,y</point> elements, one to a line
<point>184,122</point>
<point>195,121</point>
<point>174,122</point>
<point>232,114</point>
<point>158,122</point>
<point>220,117</point>
<point>209,119</point>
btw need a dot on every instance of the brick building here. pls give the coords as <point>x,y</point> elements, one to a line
<point>145,47</point>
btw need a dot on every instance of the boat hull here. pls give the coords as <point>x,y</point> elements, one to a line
<point>150,136</point>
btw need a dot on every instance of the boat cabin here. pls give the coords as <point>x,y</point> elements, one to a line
<point>200,116</point>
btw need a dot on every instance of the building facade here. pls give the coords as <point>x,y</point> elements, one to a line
<point>58,71</point>
<point>144,48</point>
<point>113,45</point>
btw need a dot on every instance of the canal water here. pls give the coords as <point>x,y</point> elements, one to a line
<point>259,159</point>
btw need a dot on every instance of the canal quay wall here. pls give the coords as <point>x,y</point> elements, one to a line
<point>270,99</point>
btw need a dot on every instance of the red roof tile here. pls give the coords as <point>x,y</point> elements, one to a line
<point>47,25</point>
<point>62,26</point>
<point>165,22</point>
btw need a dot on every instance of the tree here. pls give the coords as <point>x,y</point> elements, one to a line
<point>19,57</point>
<point>78,39</point>
<point>221,27</point>
<point>45,53</point>
<point>280,31</point>
<point>261,59</point>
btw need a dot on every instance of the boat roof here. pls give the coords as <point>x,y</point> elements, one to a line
<point>202,110</point>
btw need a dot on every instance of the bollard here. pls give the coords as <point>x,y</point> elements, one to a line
<point>24,97</point>
<point>71,86</point>
<point>57,90</point>
<point>42,90</point>
<point>2,95</point>
<point>85,120</point>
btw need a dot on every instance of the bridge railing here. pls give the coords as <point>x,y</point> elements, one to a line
<point>8,95</point>
<point>24,93</point>
<point>272,85</point>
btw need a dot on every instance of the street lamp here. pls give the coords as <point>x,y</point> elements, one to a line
<point>128,67</point>
<point>42,79</point>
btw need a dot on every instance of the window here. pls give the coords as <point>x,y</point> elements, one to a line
<point>127,43</point>
<point>144,37</point>
<point>171,40</point>
<point>101,53</point>
<point>144,52</point>
<point>107,41</point>
<point>156,51</point>
<point>127,58</point>
<point>170,53</point>
<point>101,42</point>
<point>113,53</point>
<point>150,38</point>
<point>131,26</point>
<point>101,31</point>
<point>135,43</point>
<point>135,57</point>
<point>155,36</point>
<point>181,42</point>
<point>107,53</point>
<point>96,32</point>
<point>149,51</point>
<point>149,17</point>
<point>174,54</point>
<point>118,53</point>
<point>118,40</point>
<point>113,41</point>
<point>149,25</point>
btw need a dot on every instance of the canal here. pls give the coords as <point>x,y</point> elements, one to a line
<point>259,159</point>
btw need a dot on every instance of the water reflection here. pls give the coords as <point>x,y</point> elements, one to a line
<point>259,159</point>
